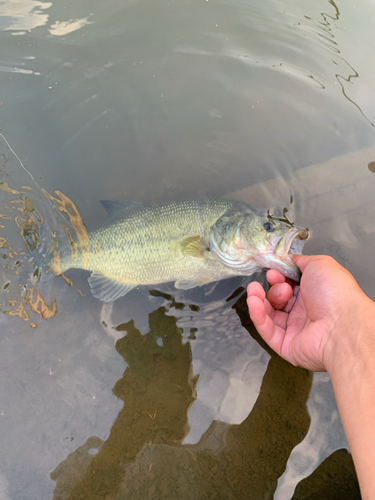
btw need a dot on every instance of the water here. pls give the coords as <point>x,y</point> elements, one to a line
<point>146,102</point>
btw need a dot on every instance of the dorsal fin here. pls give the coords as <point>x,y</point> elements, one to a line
<point>113,208</point>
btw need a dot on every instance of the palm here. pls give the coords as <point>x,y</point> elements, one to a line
<point>301,336</point>
<point>297,327</point>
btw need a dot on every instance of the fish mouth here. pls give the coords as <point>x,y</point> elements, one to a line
<point>291,242</point>
<point>282,249</point>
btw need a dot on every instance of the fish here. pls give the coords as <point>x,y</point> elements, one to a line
<point>190,242</point>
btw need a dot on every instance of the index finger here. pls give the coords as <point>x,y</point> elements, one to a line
<point>271,332</point>
<point>274,277</point>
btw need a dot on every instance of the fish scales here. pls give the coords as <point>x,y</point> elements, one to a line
<point>141,247</point>
<point>190,242</point>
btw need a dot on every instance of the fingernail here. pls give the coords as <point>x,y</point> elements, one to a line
<point>277,291</point>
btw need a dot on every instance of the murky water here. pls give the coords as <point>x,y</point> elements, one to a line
<point>168,393</point>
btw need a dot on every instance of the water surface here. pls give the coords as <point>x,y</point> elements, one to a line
<point>171,394</point>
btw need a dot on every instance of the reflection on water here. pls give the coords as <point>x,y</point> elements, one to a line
<point>157,388</point>
<point>334,479</point>
<point>23,17</point>
<point>62,28</point>
<point>144,457</point>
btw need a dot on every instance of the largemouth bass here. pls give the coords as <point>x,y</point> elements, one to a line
<point>191,242</point>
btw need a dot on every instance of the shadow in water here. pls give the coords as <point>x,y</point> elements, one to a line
<point>334,479</point>
<point>144,457</point>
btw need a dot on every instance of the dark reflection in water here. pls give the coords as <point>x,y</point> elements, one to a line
<point>334,479</point>
<point>143,456</point>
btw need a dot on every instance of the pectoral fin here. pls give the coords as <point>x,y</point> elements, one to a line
<point>187,284</point>
<point>194,246</point>
<point>108,289</point>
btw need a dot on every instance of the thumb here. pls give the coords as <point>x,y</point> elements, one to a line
<point>302,260</point>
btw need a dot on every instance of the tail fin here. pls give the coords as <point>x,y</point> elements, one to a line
<point>37,265</point>
<point>44,233</point>
<point>55,252</point>
<point>40,237</point>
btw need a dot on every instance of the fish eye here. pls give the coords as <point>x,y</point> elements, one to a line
<point>268,226</point>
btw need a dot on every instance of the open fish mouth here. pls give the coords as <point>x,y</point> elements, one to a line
<point>282,249</point>
<point>291,242</point>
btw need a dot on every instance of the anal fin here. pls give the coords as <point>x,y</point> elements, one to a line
<point>187,284</point>
<point>108,289</point>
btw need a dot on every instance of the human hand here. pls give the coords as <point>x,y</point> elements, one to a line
<point>307,323</point>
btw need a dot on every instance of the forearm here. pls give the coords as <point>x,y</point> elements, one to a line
<point>353,379</point>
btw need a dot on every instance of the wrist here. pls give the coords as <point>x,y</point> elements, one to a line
<point>352,370</point>
<point>350,348</point>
